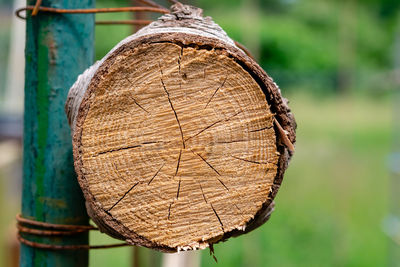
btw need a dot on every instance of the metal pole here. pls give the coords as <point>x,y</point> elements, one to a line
<point>58,48</point>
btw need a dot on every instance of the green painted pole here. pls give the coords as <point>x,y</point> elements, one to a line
<point>58,48</point>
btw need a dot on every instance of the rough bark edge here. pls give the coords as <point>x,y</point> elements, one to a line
<point>220,43</point>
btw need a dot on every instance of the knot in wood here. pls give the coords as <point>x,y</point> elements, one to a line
<point>186,12</point>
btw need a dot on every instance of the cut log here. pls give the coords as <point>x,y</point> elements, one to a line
<point>180,139</point>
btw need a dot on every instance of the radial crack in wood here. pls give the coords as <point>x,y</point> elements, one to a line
<point>172,107</point>
<point>154,176</point>
<point>174,139</point>
<point>212,125</point>
<point>216,90</point>
<point>209,165</point>
<point>119,200</point>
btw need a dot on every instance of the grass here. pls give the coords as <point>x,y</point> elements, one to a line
<point>334,197</point>
<point>335,193</point>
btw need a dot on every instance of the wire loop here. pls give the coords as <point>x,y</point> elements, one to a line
<point>24,226</point>
<point>66,247</point>
<point>36,9</point>
<point>126,22</point>
<point>26,221</point>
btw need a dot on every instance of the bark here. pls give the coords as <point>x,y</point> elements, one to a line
<point>184,28</point>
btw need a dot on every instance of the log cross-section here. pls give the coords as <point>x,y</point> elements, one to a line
<point>174,138</point>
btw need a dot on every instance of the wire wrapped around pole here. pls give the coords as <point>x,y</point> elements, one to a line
<point>25,225</point>
<point>92,10</point>
<point>66,247</point>
<point>126,22</point>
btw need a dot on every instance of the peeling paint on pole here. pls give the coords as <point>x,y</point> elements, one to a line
<point>58,48</point>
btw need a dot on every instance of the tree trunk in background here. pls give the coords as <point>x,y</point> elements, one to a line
<point>347,45</point>
<point>251,26</point>
<point>182,259</point>
<point>138,15</point>
<point>58,48</point>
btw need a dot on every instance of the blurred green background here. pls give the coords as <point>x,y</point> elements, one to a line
<point>338,62</point>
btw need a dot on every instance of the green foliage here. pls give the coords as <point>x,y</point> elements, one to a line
<point>300,41</point>
<point>107,36</point>
<point>332,202</point>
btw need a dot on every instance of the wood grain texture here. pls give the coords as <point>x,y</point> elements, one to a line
<point>174,139</point>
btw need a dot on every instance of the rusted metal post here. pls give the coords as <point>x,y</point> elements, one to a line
<point>58,48</point>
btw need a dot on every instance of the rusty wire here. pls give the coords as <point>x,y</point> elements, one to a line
<point>150,6</point>
<point>27,230</point>
<point>26,221</point>
<point>36,7</point>
<point>92,10</point>
<point>66,247</point>
<point>126,22</point>
<point>25,226</point>
<point>61,229</point>
<point>150,3</point>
